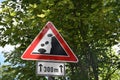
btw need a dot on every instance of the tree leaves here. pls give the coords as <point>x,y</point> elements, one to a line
<point>91,28</point>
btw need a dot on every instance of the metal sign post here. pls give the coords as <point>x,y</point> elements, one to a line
<point>50,78</point>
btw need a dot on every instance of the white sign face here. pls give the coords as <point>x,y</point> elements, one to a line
<point>45,43</point>
<point>50,68</point>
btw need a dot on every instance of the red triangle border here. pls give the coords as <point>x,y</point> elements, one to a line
<point>27,55</point>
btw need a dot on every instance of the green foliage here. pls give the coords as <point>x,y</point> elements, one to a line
<point>91,28</point>
<point>6,71</point>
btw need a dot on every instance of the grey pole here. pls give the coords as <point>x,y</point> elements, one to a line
<point>50,78</point>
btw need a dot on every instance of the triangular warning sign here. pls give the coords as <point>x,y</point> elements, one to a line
<point>49,46</point>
